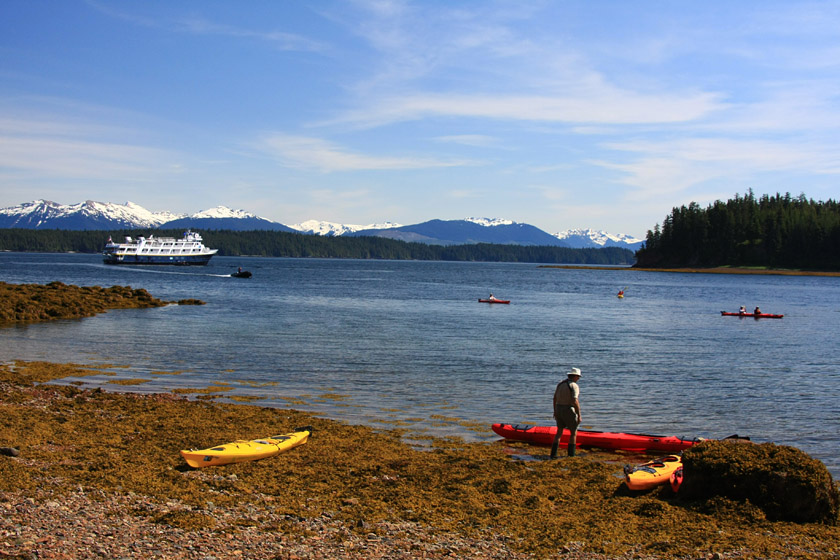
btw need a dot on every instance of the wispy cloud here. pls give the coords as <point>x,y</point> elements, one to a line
<point>59,145</point>
<point>605,107</point>
<point>279,39</point>
<point>483,63</point>
<point>318,154</point>
<point>69,158</point>
<point>282,40</point>
<point>672,167</point>
<point>477,140</point>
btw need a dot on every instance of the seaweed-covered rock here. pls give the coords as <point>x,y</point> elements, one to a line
<point>27,303</point>
<point>783,481</point>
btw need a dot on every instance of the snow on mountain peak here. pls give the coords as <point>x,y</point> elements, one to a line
<point>489,222</point>
<point>331,228</point>
<point>223,212</point>
<point>598,237</point>
<point>129,212</point>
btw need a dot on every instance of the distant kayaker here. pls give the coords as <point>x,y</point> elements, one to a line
<point>620,293</point>
<point>492,297</point>
<point>743,310</point>
<point>567,410</point>
<point>757,311</point>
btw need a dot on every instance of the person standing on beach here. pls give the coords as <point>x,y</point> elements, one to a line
<point>567,410</point>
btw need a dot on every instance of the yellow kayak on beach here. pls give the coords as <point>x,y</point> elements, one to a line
<point>241,451</point>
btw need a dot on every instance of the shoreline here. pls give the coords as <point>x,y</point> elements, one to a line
<point>712,270</point>
<point>99,474</point>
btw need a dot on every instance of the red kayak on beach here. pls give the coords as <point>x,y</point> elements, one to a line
<point>756,315</point>
<point>544,435</point>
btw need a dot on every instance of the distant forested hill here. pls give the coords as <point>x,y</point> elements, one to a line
<point>282,244</point>
<point>773,231</point>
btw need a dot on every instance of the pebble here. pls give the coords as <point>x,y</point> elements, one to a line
<point>82,526</point>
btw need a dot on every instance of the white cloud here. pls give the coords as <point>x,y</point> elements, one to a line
<point>279,39</point>
<point>315,153</point>
<point>668,168</point>
<point>477,140</point>
<point>604,107</point>
<point>79,158</point>
<point>282,40</point>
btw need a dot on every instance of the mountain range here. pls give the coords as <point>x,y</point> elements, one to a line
<point>91,215</point>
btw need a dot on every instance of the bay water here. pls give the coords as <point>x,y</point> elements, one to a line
<point>406,344</point>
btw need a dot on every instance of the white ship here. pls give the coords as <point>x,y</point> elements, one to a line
<point>189,250</point>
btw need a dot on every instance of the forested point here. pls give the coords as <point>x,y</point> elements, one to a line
<point>284,244</point>
<point>779,232</point>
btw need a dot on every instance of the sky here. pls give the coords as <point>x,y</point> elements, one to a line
<point>559,114</point>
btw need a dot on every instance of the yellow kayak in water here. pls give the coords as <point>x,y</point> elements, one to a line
<point>244,450</point>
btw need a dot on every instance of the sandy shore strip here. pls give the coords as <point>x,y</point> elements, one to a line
<point>694,270</point>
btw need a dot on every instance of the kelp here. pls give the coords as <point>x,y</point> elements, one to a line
<point>129,444</point>
<point>782,481</point>
<point>29,303</point>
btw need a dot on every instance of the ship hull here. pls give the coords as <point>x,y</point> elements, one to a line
<point>194,260</point>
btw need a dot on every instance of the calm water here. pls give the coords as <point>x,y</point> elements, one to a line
<point>406,344</point>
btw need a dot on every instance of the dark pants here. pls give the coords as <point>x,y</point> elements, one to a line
<point>568,419</point>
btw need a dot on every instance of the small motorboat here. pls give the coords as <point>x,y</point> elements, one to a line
<point>241,274</point>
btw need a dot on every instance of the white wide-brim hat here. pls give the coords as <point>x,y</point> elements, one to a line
<point>575,371</point>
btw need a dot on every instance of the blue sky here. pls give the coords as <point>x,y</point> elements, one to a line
<point>561,114</point>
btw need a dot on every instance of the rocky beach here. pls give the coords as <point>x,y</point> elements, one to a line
<point>97,474</point>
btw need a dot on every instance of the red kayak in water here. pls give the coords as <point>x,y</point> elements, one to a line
<point>643,443</point>
<point>756,315</point>
<point>494,300</point>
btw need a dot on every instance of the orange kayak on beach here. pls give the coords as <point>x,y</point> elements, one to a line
<point>653,473</point>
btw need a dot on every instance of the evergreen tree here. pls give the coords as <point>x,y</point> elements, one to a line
<point>773,231</point>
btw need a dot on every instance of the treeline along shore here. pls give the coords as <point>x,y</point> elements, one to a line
<point>87,473</point>
<point>299,245</point>
<point>778,232</point>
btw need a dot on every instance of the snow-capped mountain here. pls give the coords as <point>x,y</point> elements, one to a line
<point>584,238</point>
<point>333,229</point>
<point>224,212</point>
<point>91,215</point>
<point>45,214</point>
<point>490,222</point>
<point>222,217</point>
<point>471,230</point>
